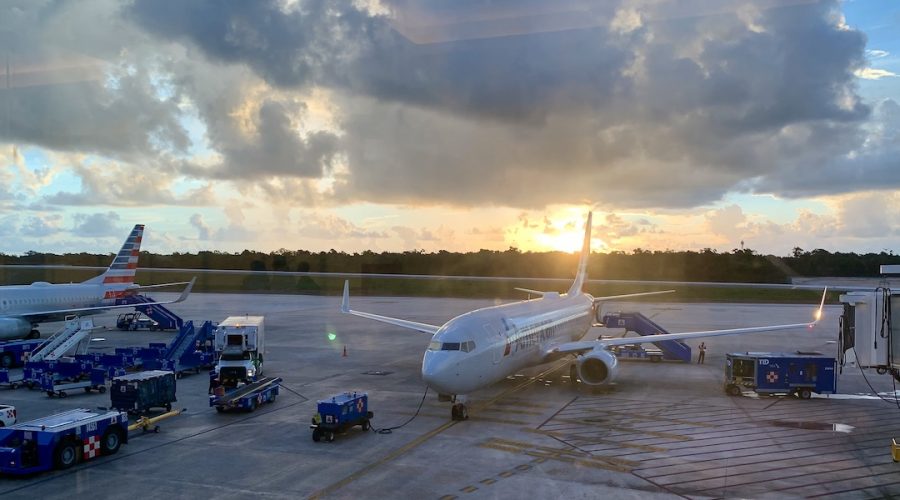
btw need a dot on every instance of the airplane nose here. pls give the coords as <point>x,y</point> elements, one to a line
<point>438,373</point>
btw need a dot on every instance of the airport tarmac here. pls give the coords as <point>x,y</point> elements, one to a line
<point>665,430</point>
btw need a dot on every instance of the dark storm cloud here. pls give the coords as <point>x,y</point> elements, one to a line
<point>503,103</point>
<point>63,98</point>
<point>338,45</point>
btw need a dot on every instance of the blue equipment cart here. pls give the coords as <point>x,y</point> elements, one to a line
<point>61,440</point>
<point>799,374</point>
<point>13,353</point>
<point>339,413</point>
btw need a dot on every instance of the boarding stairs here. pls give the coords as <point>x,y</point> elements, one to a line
<point>176,355</point>
<point>166,319</point>
<point>674,350</point>
<point>76,333</point>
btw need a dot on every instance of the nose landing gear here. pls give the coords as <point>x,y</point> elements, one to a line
<point>459,412</point>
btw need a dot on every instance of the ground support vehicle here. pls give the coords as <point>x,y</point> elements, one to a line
<point>191,349</point>
<point>66,369</point>
<point>137,392</point>
<point>53,387</point>
<point>161,317</point>
<point>13,353</point>
<point>674,350</point>
<point>636,351</point>
<point>799,374</point>
<point>11,380</point>
<point>244,397</point>
<point>61,440</point>
<point>135,321</point>
<point>7,415</point>
<point>240,344</point>
<point>339,413</point>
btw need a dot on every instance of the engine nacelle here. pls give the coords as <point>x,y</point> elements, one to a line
<point>14,328</point>
<point>597,367</point>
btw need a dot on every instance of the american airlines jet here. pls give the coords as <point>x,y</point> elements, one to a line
<point>482,347</point>
<point>22,307</point>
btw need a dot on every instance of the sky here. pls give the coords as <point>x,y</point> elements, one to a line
<point>459,125</point>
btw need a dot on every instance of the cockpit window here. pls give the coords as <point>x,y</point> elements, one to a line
<point>467,346</point>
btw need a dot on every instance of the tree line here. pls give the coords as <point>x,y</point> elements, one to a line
<point>742,265</point>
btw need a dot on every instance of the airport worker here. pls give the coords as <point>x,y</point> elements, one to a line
<point>702,354</point>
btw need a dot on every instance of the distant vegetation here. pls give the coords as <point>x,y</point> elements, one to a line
<point>743,265</point>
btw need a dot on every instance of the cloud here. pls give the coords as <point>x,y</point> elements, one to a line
<point>874,73</point>
<point>517,104</point>
<point>41,226</point>
<point>203,230</point>
<point>97,225</point>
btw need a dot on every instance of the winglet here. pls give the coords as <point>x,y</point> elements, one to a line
<point>581,275</point>
<point>186,291</point>
<point>345,302</point>
<point>818,314</point>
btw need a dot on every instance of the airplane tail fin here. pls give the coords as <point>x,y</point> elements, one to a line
<point>581,275</point>
<point>120,273</point>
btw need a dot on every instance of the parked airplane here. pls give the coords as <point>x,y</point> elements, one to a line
<point>482,347</point>
<point>22,307</point>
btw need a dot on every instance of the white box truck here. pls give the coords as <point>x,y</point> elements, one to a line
<point>240,344</point>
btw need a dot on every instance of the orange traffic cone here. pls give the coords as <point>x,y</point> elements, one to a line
<point>345,352</point>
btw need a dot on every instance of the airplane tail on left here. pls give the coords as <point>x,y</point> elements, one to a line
<point>120,273</point>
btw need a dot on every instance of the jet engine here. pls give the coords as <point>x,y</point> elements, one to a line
<point>597,367</point>
<point>14,328</point>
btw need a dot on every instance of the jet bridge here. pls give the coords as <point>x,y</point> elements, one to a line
<point>674,350</point>
<point>868,335</point>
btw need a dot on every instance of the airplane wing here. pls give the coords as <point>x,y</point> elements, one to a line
<point>533,292</point>
<point>161,285</point>
<point>184,294</point>
<point>587,345</point>
<point>629,295</point>
<point>412,325</point>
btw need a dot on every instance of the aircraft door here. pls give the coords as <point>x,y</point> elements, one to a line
<point>497,337</point>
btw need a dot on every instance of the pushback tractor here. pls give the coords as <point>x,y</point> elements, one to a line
<point>339,413</point>
<point>60,441</point>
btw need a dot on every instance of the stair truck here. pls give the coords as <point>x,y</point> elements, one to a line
<point>339,413</point>
<point>61,440</point>
<point>240,346</point>
<point>799,373</point>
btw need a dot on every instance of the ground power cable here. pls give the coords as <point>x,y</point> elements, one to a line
<point>388,430</point>
<point>293,391</point>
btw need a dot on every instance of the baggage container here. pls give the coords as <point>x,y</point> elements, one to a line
<point>137,392</point>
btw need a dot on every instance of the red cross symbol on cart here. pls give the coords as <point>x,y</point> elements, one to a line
<point>359,405</point>
<point>772,377</point>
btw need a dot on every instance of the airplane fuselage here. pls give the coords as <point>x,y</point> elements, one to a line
<point>29,299</point>
<point>482,347</point>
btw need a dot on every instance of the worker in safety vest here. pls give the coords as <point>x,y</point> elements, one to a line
<point>702,354</point>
